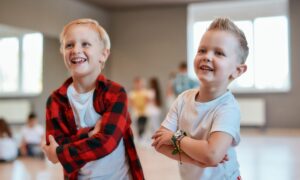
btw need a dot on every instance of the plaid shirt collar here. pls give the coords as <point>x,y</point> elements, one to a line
<point>100,85</point>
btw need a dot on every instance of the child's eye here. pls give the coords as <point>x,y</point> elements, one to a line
<point>86,44</point>
<point>69,45</point>
<point>201,51</point>
<point>219,53</point>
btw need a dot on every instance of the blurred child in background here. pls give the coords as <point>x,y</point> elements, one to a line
<point>32,134</point>
<point>8,146</point>
<point>138,99</point>
<point>153,109</point>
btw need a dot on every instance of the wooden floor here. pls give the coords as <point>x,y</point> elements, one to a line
<point>263,155</point>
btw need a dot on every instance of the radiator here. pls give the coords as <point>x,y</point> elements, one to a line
<point>253,111</point>
<point>15,111</point>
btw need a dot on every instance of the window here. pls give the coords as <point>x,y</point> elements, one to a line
<point>21,64</point>
<point>32,66</point>
<point>268,60</point>
<point>9,64</point>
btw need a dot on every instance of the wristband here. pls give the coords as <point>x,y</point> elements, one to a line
<point>176,138</point>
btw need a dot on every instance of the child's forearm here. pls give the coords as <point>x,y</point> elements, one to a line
<point>167,151</point>
<point>211,151</point>
<point>188,145</point>
<point>68,139</point>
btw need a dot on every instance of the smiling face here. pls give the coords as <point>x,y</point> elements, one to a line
<point>217,62</point>
<point>83,52</point>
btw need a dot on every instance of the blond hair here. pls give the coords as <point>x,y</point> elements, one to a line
<point>103,36</point>
<point>225,24</point>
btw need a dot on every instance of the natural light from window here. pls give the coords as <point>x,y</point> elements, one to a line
<point>21,59</point>
<point>271,53</point>
<point>9,64</point>
<point>32,58</point>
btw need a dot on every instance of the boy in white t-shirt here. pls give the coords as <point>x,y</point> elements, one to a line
<point>206,121</point>
<point>32,134</point>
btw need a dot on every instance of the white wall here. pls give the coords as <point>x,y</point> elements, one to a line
<point>48,16</point>
<point>147,42</point>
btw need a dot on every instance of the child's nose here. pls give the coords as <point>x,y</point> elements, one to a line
<point>207,57</point>
<point>76,49</point>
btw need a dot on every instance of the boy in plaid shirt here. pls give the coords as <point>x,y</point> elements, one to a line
<point>87,121</point>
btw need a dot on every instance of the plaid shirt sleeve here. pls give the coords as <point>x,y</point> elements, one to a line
<point>59,130</point>
<point>113,125</point>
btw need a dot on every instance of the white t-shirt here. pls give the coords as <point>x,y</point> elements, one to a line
<point>8,149</point>
<point>113,166</point>
<point>32,135</point>
<point>199,120</point>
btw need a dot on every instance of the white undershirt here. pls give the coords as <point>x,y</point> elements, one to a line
<point>113,166</point>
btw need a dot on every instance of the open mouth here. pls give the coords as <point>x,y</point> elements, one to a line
<point>206,68</point>
<point>78,60</point>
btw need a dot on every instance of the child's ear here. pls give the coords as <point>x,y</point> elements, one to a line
<point>105,54</point>
<point>240,69</point>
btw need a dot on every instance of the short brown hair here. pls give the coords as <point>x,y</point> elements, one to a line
<point>225,24</point>
<point>183,65</point>
<point>31,116</point>
<point>103,36</point>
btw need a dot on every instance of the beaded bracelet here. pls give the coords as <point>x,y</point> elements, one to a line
<point>176,138</point>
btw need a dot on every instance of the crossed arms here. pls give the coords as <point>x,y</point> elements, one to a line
<point>202,153</point>
<point>74,151</point>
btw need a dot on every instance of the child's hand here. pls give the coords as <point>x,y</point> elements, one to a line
<point>50,150</point>
<point>162,137</point>
<point>96,129</point>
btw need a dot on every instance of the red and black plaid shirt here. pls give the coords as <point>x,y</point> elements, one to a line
<point>75,147</point>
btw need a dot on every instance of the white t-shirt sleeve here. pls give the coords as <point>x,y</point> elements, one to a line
<point>171,120</point>
<point>228,120</point>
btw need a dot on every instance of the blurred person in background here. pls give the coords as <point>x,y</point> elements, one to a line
<point>182,81</point>
<point>138,99</point>
<point>170,94</point>
<point>8,146</point>
<point>32,134</point>
<point>154,105</point>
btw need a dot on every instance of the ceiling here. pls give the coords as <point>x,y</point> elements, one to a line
<point>8,31</point>
<point>126,4</point>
